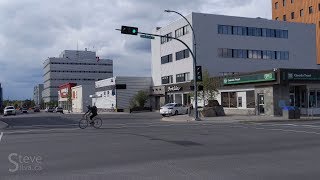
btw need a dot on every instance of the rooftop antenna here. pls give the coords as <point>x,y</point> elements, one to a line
<point>77,50</point>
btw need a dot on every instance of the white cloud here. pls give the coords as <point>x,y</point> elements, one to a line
<point>32,30</point>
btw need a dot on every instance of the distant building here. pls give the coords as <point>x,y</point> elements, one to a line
<point>37,94</point>
<point>81,97</point>
<point>65,96</point>
<point>81,67</point>
<point>301,12</point>
<point>117,92</point>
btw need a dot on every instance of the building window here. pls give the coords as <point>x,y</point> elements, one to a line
<point>276,5</point>
<point>166,59</point>
<point>250,99</point>
<point>310,10</point>
<point>229,99</point>
<point>319,6</point>
<point>292,15</point>
<point>301,12</point>
<point>167,79</point>
<point>292,1</point>
<point>250,31</point>
<point>252,54</point>
<point>284,17</point>
<point>182,77</point>
<point>166,39</point>
<point>277,18</point>
<point>182,54</point>
<point>284,3</point>
<point>182,31</point>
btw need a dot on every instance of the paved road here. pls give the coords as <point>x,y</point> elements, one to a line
<point>148,149</point>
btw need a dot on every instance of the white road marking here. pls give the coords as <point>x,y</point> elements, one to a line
<point>1,135</point>
<point>294,125</point>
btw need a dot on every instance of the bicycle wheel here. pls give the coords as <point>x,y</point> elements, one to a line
<point>97,122</point>
<point>83,123</point>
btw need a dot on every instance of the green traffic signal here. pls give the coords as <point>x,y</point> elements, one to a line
<point>129,30</point>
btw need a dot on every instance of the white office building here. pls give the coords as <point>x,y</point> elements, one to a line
<point>226,45</point>
<point>37,94</point>
<point>116,93</point>
<point>73,66</point>
<point>81,97</point>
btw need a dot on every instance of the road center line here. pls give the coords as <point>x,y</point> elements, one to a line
<point>1,135</point>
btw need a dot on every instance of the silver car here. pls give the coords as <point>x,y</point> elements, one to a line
<point>9,110</point>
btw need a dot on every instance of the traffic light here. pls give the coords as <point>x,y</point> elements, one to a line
<point>199,73</point>
<point>129,30</point>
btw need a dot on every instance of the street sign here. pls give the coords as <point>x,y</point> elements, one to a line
<point>146,36</point>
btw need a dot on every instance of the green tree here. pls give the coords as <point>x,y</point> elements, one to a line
<point>140,99</point>
<point>210,88</point>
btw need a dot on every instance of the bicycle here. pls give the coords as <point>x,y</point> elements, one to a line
<point>85,121</point>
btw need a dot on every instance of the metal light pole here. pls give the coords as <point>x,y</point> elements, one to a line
<point>196,116</point>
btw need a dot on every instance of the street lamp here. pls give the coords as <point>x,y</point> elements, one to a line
<point>196,117</point>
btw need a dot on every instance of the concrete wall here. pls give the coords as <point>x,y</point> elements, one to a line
<point>80,97</point>
<point>268,97</point>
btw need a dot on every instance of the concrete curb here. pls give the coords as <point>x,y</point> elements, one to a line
<point>3,125</point>
<point>279,120</point>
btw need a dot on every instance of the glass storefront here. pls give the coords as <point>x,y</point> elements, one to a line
<point>303,97</point>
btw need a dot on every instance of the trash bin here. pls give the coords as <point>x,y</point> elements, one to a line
<point>288,112</point>
<point>297,113</point>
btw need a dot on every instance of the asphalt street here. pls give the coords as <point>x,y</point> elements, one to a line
<point>140,146</point>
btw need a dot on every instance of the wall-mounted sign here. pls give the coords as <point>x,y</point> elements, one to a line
<point>250,78</point>
<point>304,76</point>
<point>174,88</point>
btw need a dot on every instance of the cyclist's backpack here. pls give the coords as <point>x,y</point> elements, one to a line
<point>94,109</point>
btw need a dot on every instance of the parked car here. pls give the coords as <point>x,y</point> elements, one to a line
<point>36,109</point>
<point>9,110</point>
<point>49,109</point>
<point>24,110</point>
<point>59,109</point>
<point>173,109</point>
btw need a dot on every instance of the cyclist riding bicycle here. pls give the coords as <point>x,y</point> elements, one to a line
<point>94,112</point>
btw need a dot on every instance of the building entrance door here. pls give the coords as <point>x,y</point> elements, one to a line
<point>261,104</point>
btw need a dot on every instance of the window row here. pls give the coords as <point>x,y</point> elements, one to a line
<point>166,38</point>
<point>182,31</point>
<point>72,80</point>
<point>178,33</point>
<point>231,100</point>
<point>166,59</point>
<point>179,55</point>
<point>81,71</point>
<point>183,77</point>
<point>292,15</point>
<point>182,54</point>
<point>98,64</point>
<point>252,31</point>
<point>252,54</point>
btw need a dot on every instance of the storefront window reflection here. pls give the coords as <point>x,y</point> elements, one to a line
<point>312,98</point>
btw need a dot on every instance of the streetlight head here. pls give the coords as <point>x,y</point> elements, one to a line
<point>167,10</point>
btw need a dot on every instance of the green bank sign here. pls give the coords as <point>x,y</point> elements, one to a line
<point>250,79</point>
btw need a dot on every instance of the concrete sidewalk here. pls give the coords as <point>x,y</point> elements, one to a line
<point>235,118</point>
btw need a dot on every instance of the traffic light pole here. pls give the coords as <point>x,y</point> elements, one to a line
<point>196,116</point>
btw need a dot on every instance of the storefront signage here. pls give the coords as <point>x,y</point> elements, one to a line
<point>250,78</point>
<point>304,76</point>
<point>174,88</point>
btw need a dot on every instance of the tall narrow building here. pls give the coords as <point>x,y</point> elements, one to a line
<point>37,94</point>
<point>303,11</point>
<point>73,66</point>
<point>1,96</point>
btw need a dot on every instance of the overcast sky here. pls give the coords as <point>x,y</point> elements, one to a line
<point>32,30</point>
